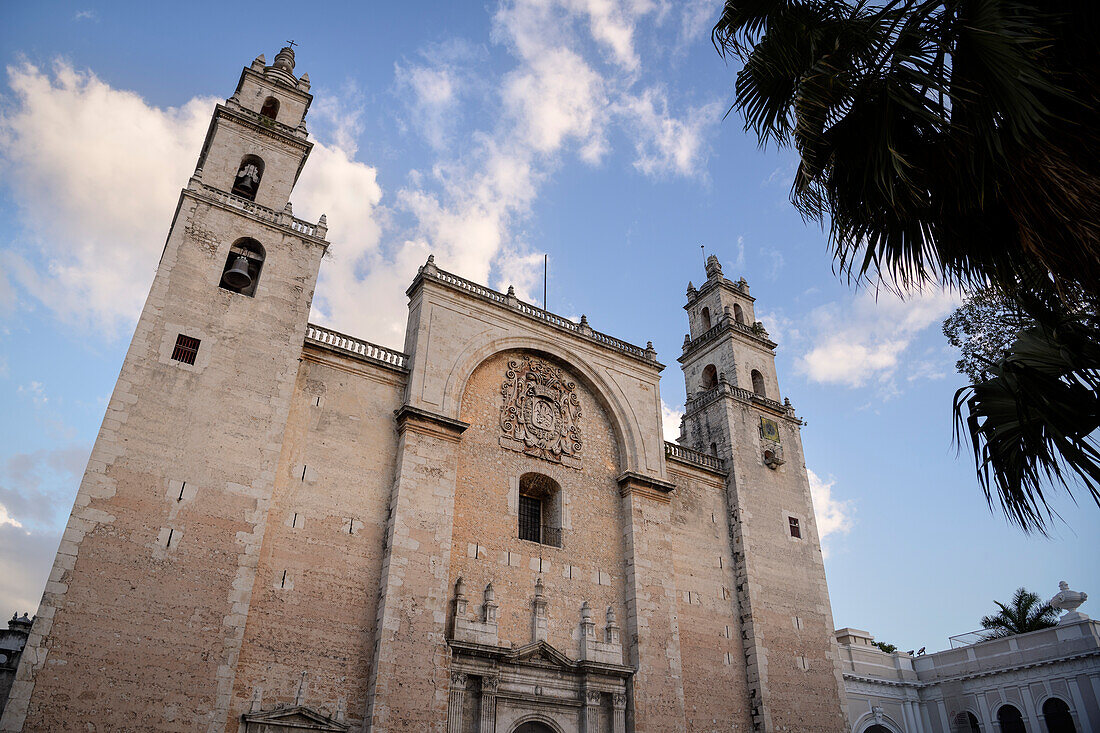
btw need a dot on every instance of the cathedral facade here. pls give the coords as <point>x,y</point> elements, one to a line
<point>285,528</point>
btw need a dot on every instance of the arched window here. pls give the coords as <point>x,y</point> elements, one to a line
<point>241,272</point>
<point>1057,716</point>
<point>1010,720</point>
<point>710,376</point>
<point>247,180</point>
<point>758,383</point>
<point>539,509</point>
<point>704,317</point>
<point>966,722</point>
<point>270,108</point>
<point>877,729</point>
<point>738,313</point>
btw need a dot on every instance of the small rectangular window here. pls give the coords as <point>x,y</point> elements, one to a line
<point>530,518</point>
<point>186,349</point>
<point>795,531</point>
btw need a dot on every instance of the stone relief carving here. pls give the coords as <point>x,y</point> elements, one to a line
<point>541,413</point>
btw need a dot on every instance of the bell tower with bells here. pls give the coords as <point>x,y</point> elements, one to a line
<point>734,411</point>
<point>187,455</point>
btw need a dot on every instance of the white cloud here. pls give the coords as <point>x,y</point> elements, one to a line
<point>866,340</point>
<point>85,15</point>
<point>670,421</point>
<point>697,18</point>
<point>7,518</point>
<point>68,137</point>
<point>612,28</point>
<point>25,561</point>
<point>36,488</point>
<point>36,391</point>
<point>663,143</point>
<point>432,96</point>
<point>96,173</point>
<point>834,517</point>
<point>36,495</point>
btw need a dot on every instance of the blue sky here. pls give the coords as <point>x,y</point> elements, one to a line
<point>590,130</point>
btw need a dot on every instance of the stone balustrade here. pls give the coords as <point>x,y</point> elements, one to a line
<point>724,323</point>
<point>509,300</point>
<point>263,213</point>
<point>364,349</point>
<point>701,399</point>
<point>692,456</point>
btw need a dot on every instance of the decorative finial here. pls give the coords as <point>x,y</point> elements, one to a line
<point>511,291</point>
<point>714,268</point>
<point>584,320</point>
<point>1068,600</point>
<point>284,60</point>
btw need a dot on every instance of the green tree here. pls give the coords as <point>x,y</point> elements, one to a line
<point>1025,613</point>
<point>888,648</point>
<point>984,328</point>
<point>952,142</point>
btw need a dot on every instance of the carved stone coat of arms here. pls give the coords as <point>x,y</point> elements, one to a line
<point>541,414</point>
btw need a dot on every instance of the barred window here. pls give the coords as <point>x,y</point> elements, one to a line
<point>186,349</point>
<point>795,530</point>
<point>530,518</point>
<point>540,509</point>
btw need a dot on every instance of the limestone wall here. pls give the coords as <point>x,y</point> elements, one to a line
<point>316,597</point>
<point>589,564</point>
<point>715,694</point>
<point>155,570</point>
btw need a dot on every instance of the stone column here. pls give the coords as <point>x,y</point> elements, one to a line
<point>591,718</point>
<point>489,703</point>
<point>652,626</point>
<point>408,681</point>
<point>618,713</point>
<point>454,702</point>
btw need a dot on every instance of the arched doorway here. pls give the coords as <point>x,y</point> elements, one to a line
<point>1010,719</point>
<point>1057,716</point>
<point>966,722</point>
<point>533,726</point>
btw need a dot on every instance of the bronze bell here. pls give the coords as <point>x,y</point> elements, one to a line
<point>237,276</point>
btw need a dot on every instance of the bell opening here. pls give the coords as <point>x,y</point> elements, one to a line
<point>242,267</point>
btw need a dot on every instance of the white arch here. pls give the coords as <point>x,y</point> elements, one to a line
<point>537,718</point>
<point>866,720</point>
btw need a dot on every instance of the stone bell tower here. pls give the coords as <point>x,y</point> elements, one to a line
<point>154,576</point>
<point>734,411</point>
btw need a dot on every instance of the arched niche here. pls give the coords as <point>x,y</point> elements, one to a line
<point>629,441</point>
<point>758,383</point>
<point>270,108</point>
<point>710,376</point>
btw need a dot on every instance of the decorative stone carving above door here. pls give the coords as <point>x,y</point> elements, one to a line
<point>541,413</point>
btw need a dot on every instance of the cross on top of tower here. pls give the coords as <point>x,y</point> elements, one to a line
<point>292,44</point>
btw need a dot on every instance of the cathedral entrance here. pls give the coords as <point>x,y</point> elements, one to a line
<point>533,726</point>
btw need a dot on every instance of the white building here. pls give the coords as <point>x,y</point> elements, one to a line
<point>1047,680</point>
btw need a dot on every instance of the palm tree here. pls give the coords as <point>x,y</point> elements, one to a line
<point>1026,613</point>
<point>953,142</point>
